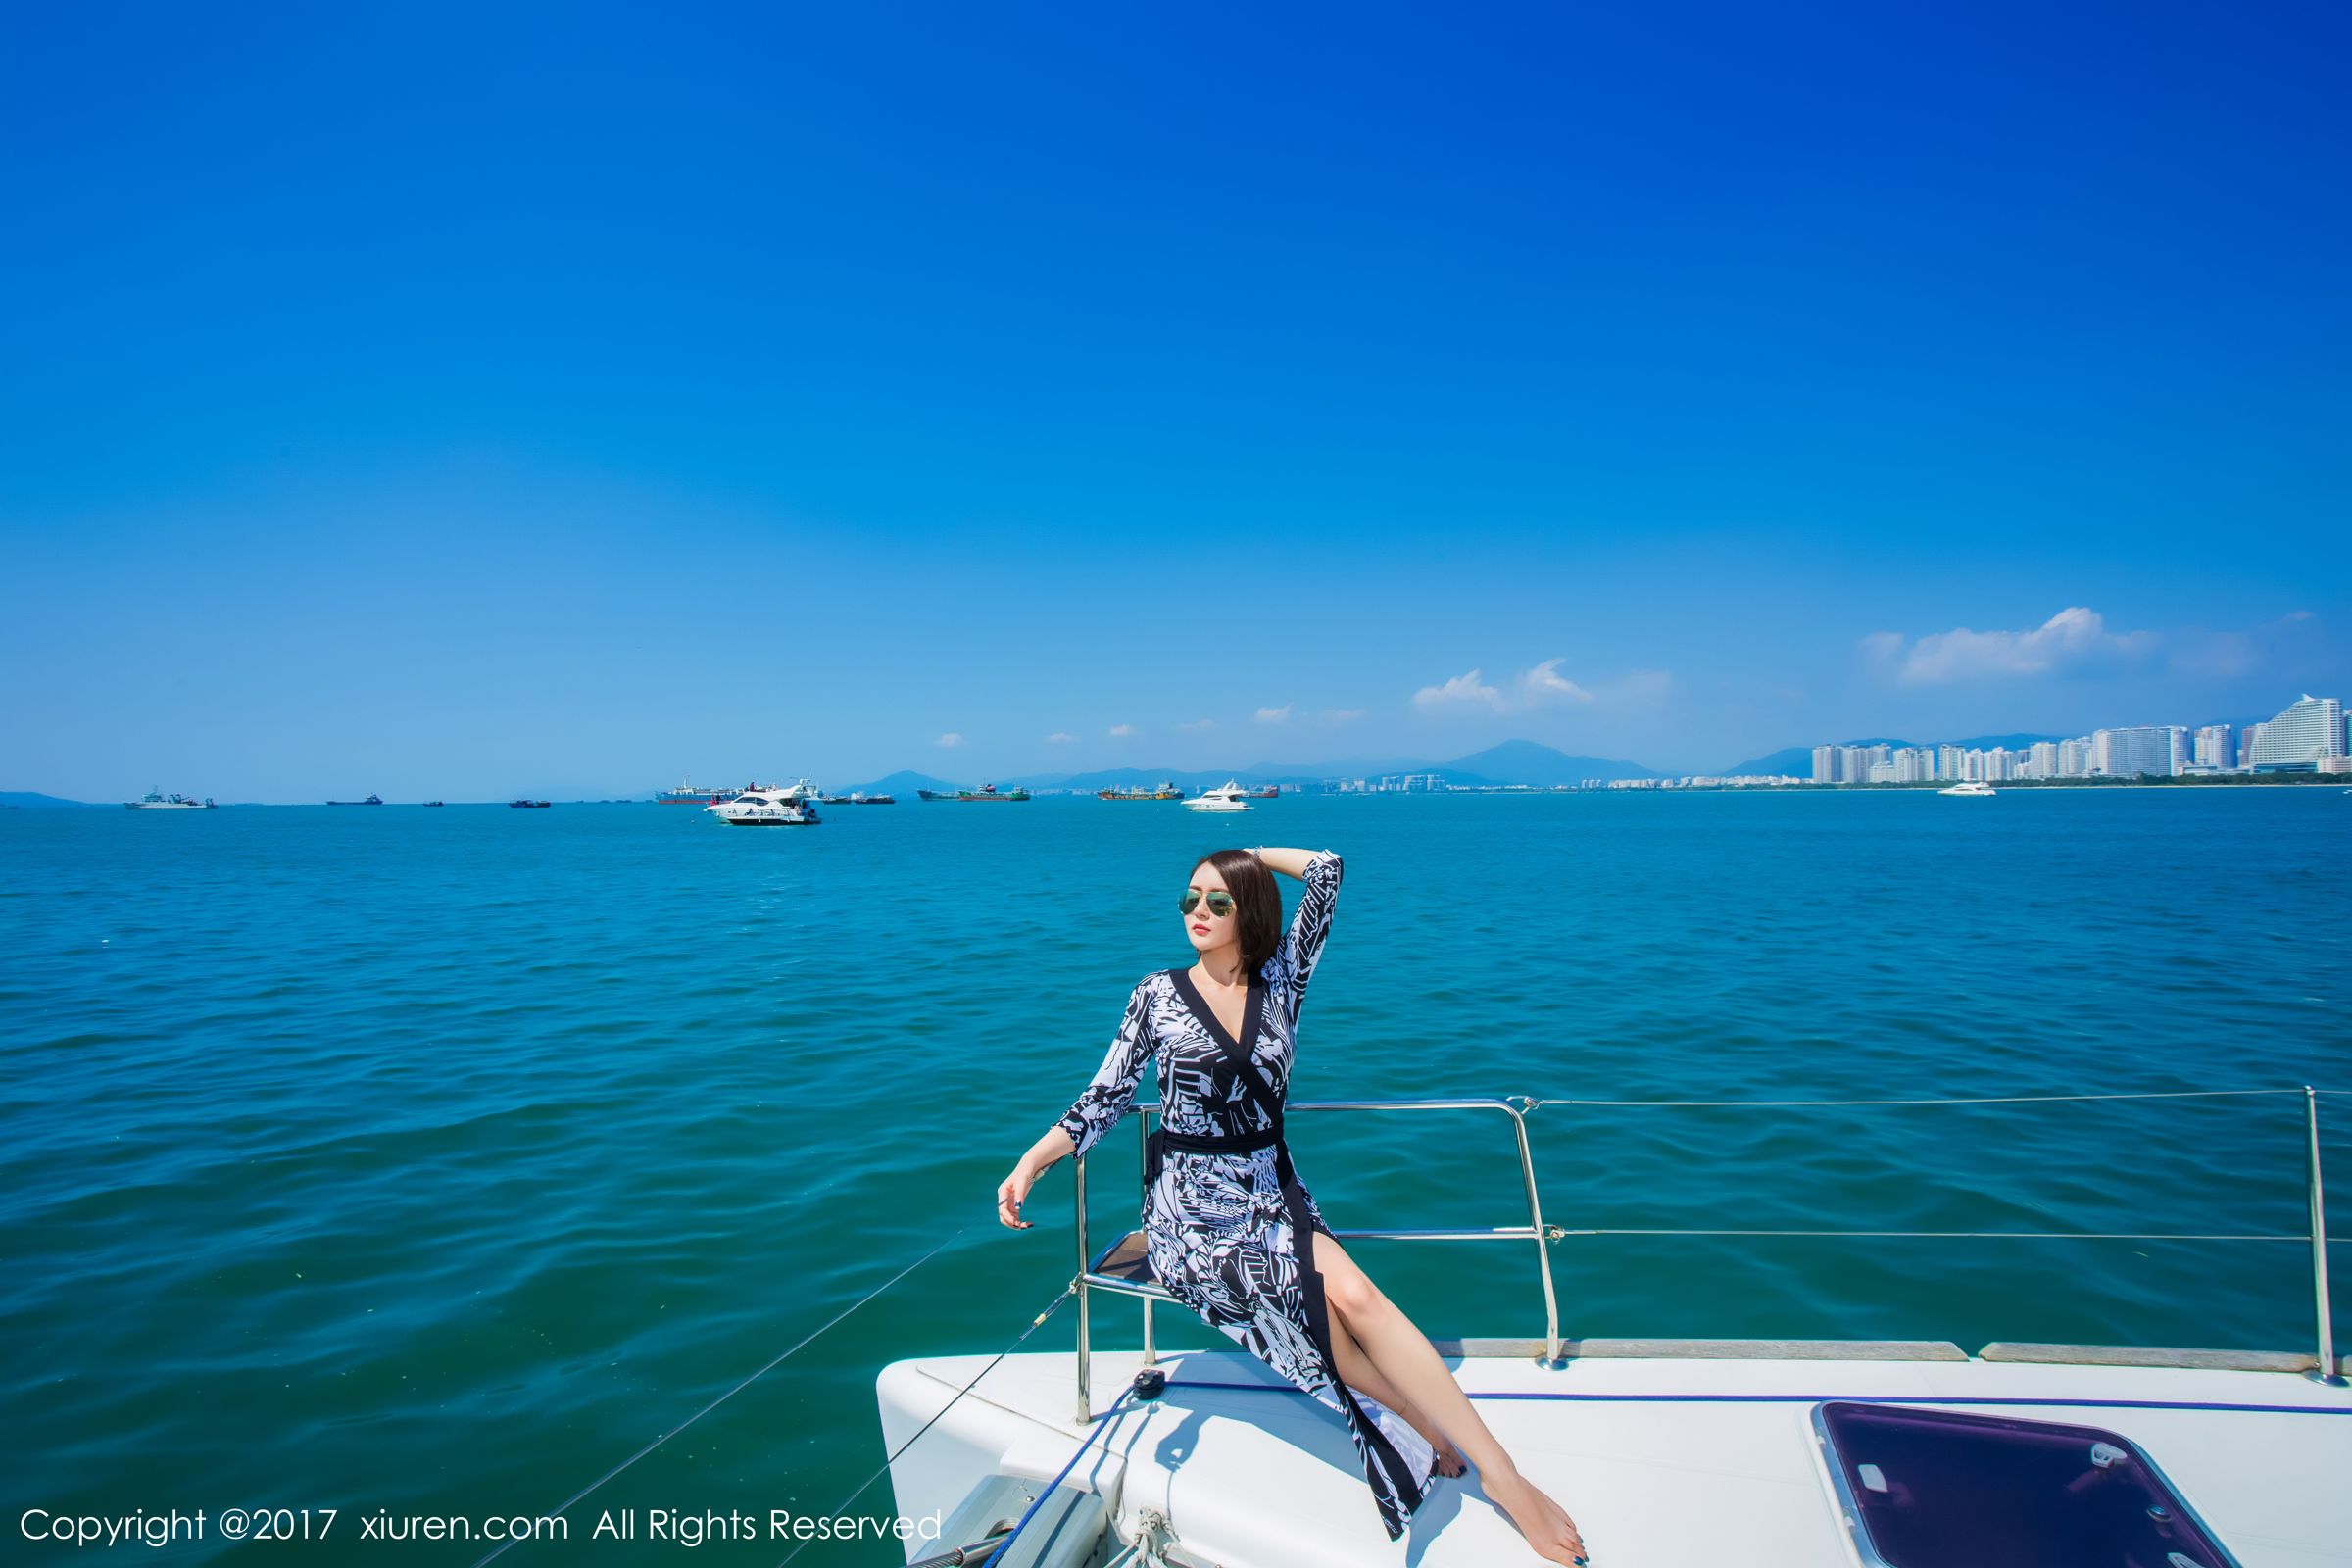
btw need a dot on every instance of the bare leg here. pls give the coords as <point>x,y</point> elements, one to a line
<point>1359,1373</point>
<point>1404,1357</point>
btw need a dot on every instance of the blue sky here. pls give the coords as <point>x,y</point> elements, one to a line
<point>449,400</point>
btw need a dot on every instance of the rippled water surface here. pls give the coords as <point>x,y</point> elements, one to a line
<point>438,1160</point>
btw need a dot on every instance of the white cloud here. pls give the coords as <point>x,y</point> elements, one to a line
<point>1341,715</point>
<point>1123,731</point>
<point>1061,737</point>
<point>1198,723</point>
<point>1274,716</point>
<point>1542,686</point>
<point>1545,683</point>
<point>1461,692</point>
<point>950,738</point>
<point>2073,639</point>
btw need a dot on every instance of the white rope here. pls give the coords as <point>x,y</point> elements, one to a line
<point>806,1340</point>
<point>842,1508</point>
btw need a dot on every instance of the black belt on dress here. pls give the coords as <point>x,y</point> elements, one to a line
<point>1163,1140</point>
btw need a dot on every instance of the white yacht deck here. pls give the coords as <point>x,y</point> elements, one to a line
<point>1669,1453</point>
<point>1664,1460</point>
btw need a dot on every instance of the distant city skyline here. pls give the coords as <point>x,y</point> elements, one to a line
<point>2310,735</point>
<point>817,395</point>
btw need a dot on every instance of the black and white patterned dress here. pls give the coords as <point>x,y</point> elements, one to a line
<point>1224,1230</point>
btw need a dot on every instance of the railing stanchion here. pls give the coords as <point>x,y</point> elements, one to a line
<point>1535,1222</point>
<point>2325,1371</point>
<point>1142,1125</point>
<point>1086,1408</point>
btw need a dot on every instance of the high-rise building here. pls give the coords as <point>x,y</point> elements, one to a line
<point>2042,761</point>
<point>2295,741</point>
<point>1825,765</point>
<point>2213,747</point>
<point>2074,757</point>
<point>2143,749</point>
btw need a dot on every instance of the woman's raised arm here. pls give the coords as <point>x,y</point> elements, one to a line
<point>1290,862</point>
<point>1311,922</point>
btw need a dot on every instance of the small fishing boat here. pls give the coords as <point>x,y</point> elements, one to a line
<point>433,803</point>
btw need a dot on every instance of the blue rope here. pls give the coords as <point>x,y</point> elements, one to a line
<point>1054,1485</point>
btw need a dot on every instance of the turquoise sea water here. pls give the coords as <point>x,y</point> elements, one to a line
<point>435,1161</point>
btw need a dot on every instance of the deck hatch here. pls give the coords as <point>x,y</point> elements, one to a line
<point>1939,1488</point>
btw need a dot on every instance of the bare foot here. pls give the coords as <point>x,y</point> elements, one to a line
<point>1544,1522</point>
<point>1449,1458</point>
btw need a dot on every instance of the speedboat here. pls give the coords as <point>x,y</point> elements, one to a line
<point>770,805</point>
<point>1974,786</point>
<point>1226,797</point>
<point>1668,1452</point>
<point>158,800</point>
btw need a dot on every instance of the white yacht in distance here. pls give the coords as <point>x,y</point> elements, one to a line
<point>158,800</point>
<point>770,805</point>
<point>1227,797</point>
<point>1668,1452</point>
<point>1974,786</point>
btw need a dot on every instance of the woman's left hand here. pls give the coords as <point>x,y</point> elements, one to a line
<point>1009,1193</point>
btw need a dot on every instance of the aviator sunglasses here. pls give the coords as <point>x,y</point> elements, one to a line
<point>1219,903</point>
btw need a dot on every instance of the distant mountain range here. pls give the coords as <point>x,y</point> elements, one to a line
<point>1511,763</point>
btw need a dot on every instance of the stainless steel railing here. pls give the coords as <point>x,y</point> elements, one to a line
<point>1519,1107</point>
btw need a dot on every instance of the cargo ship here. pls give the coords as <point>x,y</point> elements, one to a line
<point>989,792</point>
<point>1165,792</point>
<point>158,800</point>
<point>688,795</point>
<point>372,800</point>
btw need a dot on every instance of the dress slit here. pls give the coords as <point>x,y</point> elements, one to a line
<point>1408,1487</point>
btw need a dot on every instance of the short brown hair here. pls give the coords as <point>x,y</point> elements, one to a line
<point>1257,903</point>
